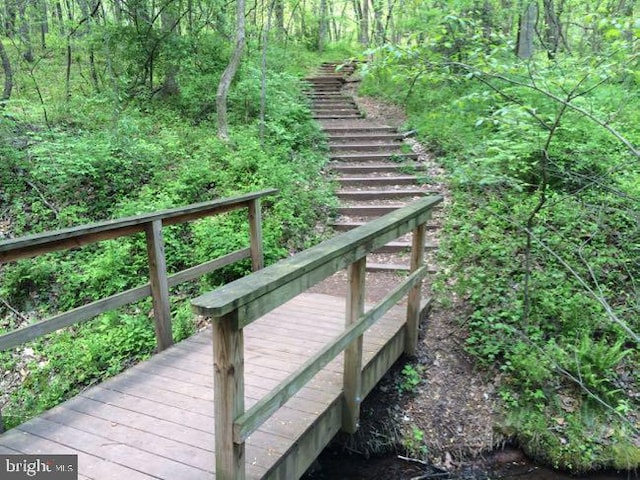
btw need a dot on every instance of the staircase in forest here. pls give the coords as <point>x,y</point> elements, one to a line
<point>374,166</point>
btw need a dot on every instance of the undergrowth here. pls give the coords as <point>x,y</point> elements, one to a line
<point>552,280</point>
<point>97,157</point>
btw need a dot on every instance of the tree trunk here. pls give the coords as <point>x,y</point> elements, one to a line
<point>44,23</point>
<point>169,21</point>
<point>25,32</point>
<point>552,28</point>
<point>527,31</point>
<point>8,75</point>
<point>379,33</point>
<point>60,18</point>
<point>323,25</point>
<point>278,8</point>
<point>362,15</point>
<point>487,21</point>
<point>365,23</point>
<point>229,73</point>
<point>303,23</point>
<point>10,18</point>
<point>263,70</point>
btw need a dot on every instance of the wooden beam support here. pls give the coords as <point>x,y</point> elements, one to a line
<point>159,284</point>
<point>228,384</point>
<point>413,301</point>
<point>255,235</point>
<point>353,353</point>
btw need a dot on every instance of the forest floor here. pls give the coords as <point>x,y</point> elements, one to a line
<point>448,419</point>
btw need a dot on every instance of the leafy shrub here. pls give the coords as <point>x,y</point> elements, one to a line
<point>540,313</point>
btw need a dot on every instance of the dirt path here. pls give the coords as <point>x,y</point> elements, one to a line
<point>448,417</point>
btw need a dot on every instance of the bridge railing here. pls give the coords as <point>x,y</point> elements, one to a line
<point>158,287</point>
<point>239,303</point>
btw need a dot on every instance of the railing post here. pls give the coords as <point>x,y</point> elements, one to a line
<point>255,234</point>
<point>353,353</point>
<point>228,388</point>
<point>414,297</point>
<point>159,285</point>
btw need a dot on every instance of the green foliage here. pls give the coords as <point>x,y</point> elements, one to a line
<point>411,378</point>
<point>78,358</point>
<point>565,365</point>
<point>124,151</point>
<point>414,444</point>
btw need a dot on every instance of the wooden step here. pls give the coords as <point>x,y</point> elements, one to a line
<point>378,168</point>
<point>346,226</point>
<point>337,116</point>
<point>326,79</point>
<point>359,129</point>
<point>367,157</point>
<point>335,109</point>
<point>326,95</point>
<point>392,267</point>
<point>399,247</point>
<point>364,195</point>
<point>377,181</point>
<point>334,103</point>
<point>373,137</point>
<point>363,146</point>
<point>368,210</point>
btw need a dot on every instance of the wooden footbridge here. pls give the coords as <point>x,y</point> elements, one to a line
<point>259,393</point>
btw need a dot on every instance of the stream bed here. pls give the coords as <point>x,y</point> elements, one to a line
<point>332,465</point>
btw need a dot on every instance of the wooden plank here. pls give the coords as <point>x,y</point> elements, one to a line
<point>178,416</point>
<point>352,376</point>
<point>74,237</point>
<point>98,445</point>
<point>166,447</point>
<point>159,285</point>
<point>93,309</point>
<point>92,466</point>
<point>257,294</point>
<point>228,374</point>
<point>413,302</point>
<point>255,235</point>
<point>160,427</point>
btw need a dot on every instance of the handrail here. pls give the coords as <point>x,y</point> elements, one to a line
<point>253,418</point>
<point>239,303</point>
<point>259,293</point>
<point>160,282</point>
<point>33,245</point>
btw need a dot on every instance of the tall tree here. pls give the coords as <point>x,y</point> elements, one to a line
<point>323,25</point>
<point>553,29</point>
<point>8,75</point>
<point>229,73</point>
<point>527,30</point>
<point>25,31</point>
<point>278,8</point>
<point>169,20</point>
<point>379,23</point>
<point>361,10</point>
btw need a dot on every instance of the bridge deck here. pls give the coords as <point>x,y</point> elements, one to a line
<point>156,419</point>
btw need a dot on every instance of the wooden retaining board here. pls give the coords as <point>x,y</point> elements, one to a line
<point>155,420</point>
